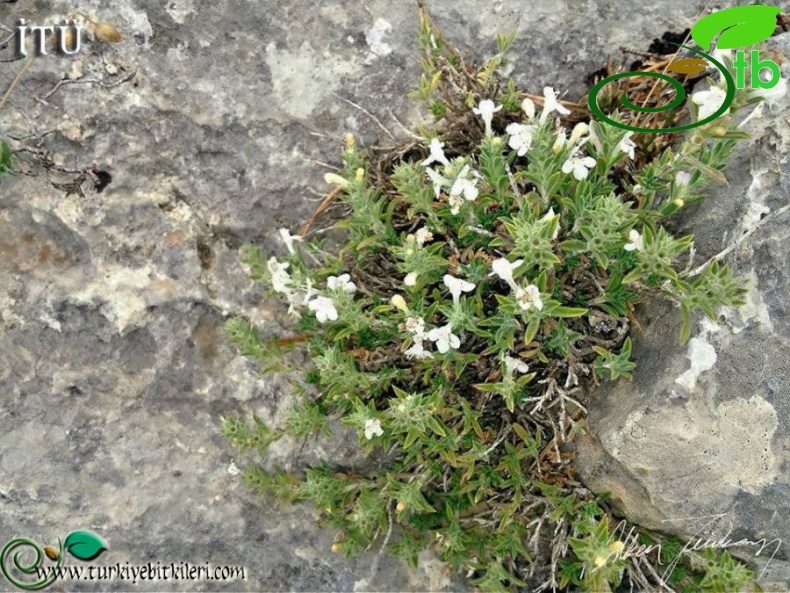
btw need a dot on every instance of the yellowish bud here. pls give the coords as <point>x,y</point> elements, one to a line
<point>399,302</point>
<point>335,179</point>
<point>410,238</point>
<point>496,141</point>
<point>617,547</point>
<point>718,131</point>
<point>336,547</point>
<point>679,203</point>
<point>600,561</point>
<point>579,130</point>
<point>559,142</point>
<point>360,174</point>
<point>350,142</point>
<point>400,507</point>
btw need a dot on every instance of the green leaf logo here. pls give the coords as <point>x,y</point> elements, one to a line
<point>84,545</point>
<point>739,26</point>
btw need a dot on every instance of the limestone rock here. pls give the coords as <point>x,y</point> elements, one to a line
<point>698,443</point>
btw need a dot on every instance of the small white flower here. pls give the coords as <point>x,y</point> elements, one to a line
<point>520,137</point>
<point>233,469</point>
<point>289,239</point>
<point>550,103</point>
<point>416,326</point>
<point>342,282</point>
<point>548,217</point>
<point>418,351</point>
<point>529,297</point>
<point>437,180</point>
<point>464,186</point>
<point>578,132</point>
<point>444,338</point>
<point>529,107</point>
<point>281,280</point>
<point>709,101</point>
<point>457,286</point>
<point>455,204</point>
<point>410,279</point>
<point>637,241</point>
<point>504,269</point>
<point>436,153</point>
<point>486,110</point>
<point>682,178</point>
<point>373,428</point>
<point>514,364</point>
<point>561,140</point>
<point>324,309</point>
<point>335,179</point>
<point>423,235</point>
<point>627,145</point>
<point>580,166</point>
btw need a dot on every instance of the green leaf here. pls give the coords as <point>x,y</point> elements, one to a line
<point>573,245</point>
<point>532,330</point>
<point>739,26</point>
<point>569,311</point>
<point>685,330</point>
<point>5,157</point>
<point>84,545</point>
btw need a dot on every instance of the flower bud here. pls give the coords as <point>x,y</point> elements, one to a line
<point>718,131</point>
<point>400,507</point>
<point>350,142</point>
<point>336,547</point>
<point>399,303</point>
<point>600,561</point>
<point>360,174</point>
<point>617,547</point>
<point>335,179</point>
<point>559,142</point>
<point>579,130</point>
<point>528,106</point>
<point>679,203</point>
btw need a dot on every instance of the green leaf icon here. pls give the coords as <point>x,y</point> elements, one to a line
<point>84,545</point>
<point>739,26</point>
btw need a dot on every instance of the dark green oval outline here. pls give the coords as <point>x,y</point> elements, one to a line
<point>728,99</point>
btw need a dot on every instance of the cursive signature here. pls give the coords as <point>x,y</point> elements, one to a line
<point>631,546</point>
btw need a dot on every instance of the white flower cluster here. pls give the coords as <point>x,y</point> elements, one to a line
<point>323,306</point>
<point>443,337</point>
<point>463,186</point>
<point>527,297</point>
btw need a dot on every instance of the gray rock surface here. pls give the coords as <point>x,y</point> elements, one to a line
<point>214,119</point>
<point>699,443</point>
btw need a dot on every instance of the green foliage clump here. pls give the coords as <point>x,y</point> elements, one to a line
<point>488,281</point>
<point>5,158</point>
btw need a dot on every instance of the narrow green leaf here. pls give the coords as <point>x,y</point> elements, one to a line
<point>569,312</point>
